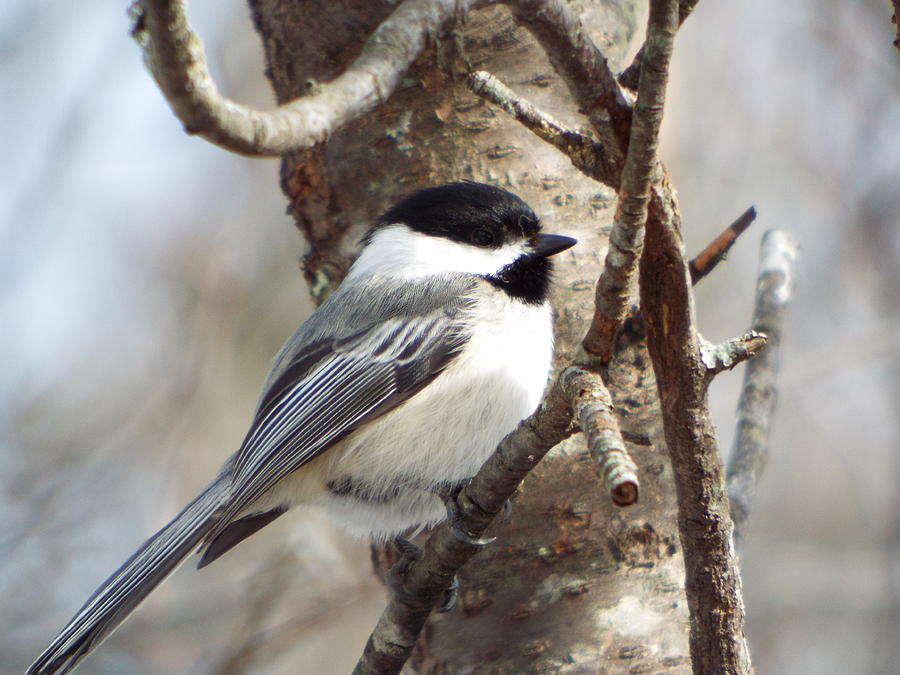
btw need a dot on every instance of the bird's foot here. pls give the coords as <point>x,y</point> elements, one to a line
<point>394,577</point>
<point>449,494</point>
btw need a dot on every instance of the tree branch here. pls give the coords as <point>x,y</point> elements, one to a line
<point>430,573</point>
<point>712,580</point>
<point>593,408</point>
<point>749,453</point>
<point>586,154</point>
<point>629,76</point>
<point>718,248</point>
<point>727,355</point>
<point>174,55</point>
<point>616,286</point>
<point>582,67</point>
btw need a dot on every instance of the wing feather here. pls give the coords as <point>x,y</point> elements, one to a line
<point>350,381</point>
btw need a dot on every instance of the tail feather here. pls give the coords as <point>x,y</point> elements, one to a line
<point>118,596</point>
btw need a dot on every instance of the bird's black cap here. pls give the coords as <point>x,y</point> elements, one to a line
<point>467,212</point>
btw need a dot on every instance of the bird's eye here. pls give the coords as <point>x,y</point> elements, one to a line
<point>482,237</point>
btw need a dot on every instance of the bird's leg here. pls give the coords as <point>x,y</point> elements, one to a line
<point>445,489</point>
<point>394,577</point>
<point>448,492</point>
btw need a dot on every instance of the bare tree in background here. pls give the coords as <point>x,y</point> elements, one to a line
<point>618,554</point>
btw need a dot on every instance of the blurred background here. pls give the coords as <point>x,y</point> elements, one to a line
<point>148,278</point>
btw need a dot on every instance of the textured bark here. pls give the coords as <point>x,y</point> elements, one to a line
<point>593,410</point>
<point>573,583</point>
<point>713,584</point>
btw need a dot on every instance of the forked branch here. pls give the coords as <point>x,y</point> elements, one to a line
<point>583,68</point>
<point>629,76</point>
<point>616,286</point>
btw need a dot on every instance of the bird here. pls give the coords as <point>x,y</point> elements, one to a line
<point>389,397</point>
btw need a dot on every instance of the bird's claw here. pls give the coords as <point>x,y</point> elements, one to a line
<point>450,596</point>
<point>454,519</point>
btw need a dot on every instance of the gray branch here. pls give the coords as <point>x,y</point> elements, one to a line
<point>593,409</point>
<point>175,56</point>
<point>730,353</point>
<point>749,454</point>
<point>583,68</point>
<point>712,577</point>
<point>586,154</point>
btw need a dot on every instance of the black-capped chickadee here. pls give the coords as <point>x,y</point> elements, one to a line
<point>401,383</point>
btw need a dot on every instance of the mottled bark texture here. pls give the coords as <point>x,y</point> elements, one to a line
<point>573,583</point>
<point>593,410</point>
<point>712,585</point>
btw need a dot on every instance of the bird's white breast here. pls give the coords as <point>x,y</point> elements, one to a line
<point>444,433</point>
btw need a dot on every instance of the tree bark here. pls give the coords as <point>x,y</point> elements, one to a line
<point>573,583</point>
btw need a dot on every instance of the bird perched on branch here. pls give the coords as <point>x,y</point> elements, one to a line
<point>384,402</point>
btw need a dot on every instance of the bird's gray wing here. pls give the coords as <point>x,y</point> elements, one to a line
<point>331,388</point>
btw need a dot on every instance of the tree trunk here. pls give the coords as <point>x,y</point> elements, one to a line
<point>573,583</point>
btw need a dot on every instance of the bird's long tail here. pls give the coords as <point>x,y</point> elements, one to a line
<point>117,597</point>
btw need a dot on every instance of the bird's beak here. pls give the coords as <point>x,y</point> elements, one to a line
<point>551,244</point>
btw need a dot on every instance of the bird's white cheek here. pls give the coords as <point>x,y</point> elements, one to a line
<point>399,252</point>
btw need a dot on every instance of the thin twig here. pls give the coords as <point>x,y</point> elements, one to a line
<point>583,68</point>
<point>718,248</point>
<point>443,554</point>
<point>616,286</point>
<point>175,56</point>
<point>593,409</point>
<point>728,354</point>
<point>749,453</point>
<point>629,76</point>
<point>586,154</point>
